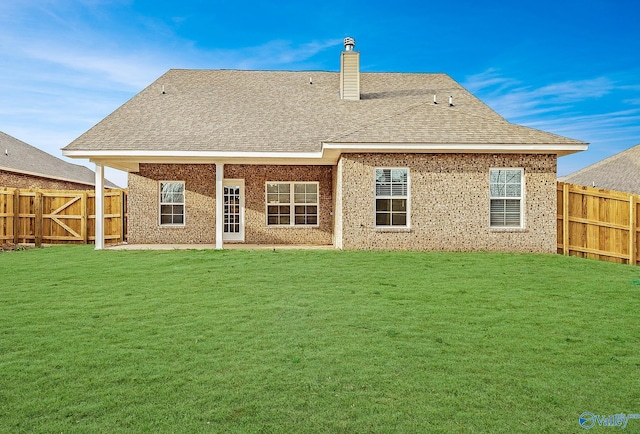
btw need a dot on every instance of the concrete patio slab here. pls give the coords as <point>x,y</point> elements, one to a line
<point>230,246</point>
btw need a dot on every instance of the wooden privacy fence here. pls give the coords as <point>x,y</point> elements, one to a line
<point>598,224</point>
<point>60,216</point>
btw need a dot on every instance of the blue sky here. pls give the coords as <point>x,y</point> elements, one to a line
<point>567,67</point>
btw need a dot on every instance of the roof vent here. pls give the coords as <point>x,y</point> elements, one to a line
<point>349,43</point>
<point>349,71</point>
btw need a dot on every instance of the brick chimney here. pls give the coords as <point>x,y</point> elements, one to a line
<point>349,71</point>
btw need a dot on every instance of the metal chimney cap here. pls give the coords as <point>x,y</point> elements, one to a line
<point>349,43</point>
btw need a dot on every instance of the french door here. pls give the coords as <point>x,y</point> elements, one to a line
<point>233,212</point>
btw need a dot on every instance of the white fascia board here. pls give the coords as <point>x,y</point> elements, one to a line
<point>538,148</point>
<point>129,159</point>
<point>217,155</point>
<point>124,165</point>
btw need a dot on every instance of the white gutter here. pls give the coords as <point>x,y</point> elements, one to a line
<point>329,154</point>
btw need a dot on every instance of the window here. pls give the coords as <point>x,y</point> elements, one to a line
<point>505,189</point>
<point>171,203</point>
<point>392,197</point>
<point>292,203</point>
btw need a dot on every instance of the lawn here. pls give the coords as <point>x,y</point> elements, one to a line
<point>314,341</point>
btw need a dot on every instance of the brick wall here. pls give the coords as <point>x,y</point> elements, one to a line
<point>200,204</point>
<point>19,180</point>
<point>449,203</point>
<point>256,229</point>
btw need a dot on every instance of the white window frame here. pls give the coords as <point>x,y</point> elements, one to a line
<point>292,204</point>
<point>183,203</point>
<point>521,197</point>
<point>407,197</point>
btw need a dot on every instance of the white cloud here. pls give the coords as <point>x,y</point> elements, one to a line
<point>66,65</point>
<point>514,101</point>
<point>602,111</point>
<point>133,70</point>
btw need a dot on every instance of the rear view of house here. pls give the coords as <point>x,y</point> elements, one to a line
<point>350,159</point>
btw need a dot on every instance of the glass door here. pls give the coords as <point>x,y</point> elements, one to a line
<point>233,212</point>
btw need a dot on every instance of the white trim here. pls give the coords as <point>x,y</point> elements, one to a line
<point>184,204</point>
<point>328,154</point>
<point>448,148</point>
<point>292,204</point>
<point>99,205</point>
<point>392,227</point>
<point>521,199</point>
<point>228,236</point>
<point>337,203</point>
<point>455,147</point>
<point>219,155</point>
<point>219,205</point>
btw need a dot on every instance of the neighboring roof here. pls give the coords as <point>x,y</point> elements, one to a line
<point>619,172</point>
<point>19,157</point>
<point>279,111</point>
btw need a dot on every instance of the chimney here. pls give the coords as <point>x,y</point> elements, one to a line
<point>349,71</point>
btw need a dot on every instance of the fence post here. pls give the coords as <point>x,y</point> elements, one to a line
<point>85,217</point>
<point>121,203</point>
<point>565,219</point>
<point>632,230</point>
<point>38,222</point>
<point>16,216</point>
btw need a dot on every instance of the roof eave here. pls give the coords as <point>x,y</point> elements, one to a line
<point>129,160</point>
<point>46,176</point>
<point>458,148</point>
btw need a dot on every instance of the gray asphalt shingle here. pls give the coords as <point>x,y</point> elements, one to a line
<point>18,156</point>
<point>619,172</point>
<point>280,111</point>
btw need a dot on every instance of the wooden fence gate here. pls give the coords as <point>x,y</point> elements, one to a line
<point>598,224</point>
<point>60,216</point>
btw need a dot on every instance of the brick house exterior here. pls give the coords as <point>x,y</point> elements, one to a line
<point>20,180</point>
<point>349,159</point>
<point>26,167</point>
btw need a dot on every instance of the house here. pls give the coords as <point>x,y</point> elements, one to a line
<point>24,166</point>
<point>349,159</point>
<point>619,172</point>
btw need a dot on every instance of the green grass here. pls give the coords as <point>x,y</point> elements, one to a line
<point>314,341</point>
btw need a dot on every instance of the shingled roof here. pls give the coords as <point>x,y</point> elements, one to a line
<point>619,172</point>
<point>281,111</point>
<point>19,157</point>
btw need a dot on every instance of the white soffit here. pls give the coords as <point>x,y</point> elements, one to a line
<point>129,159</point>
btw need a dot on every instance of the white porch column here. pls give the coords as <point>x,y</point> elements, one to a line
<point>99,206</point>
<point>219,204</point>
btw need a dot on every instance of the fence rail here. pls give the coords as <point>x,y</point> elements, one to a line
<point>598,224</point>
<point>60,216</point>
